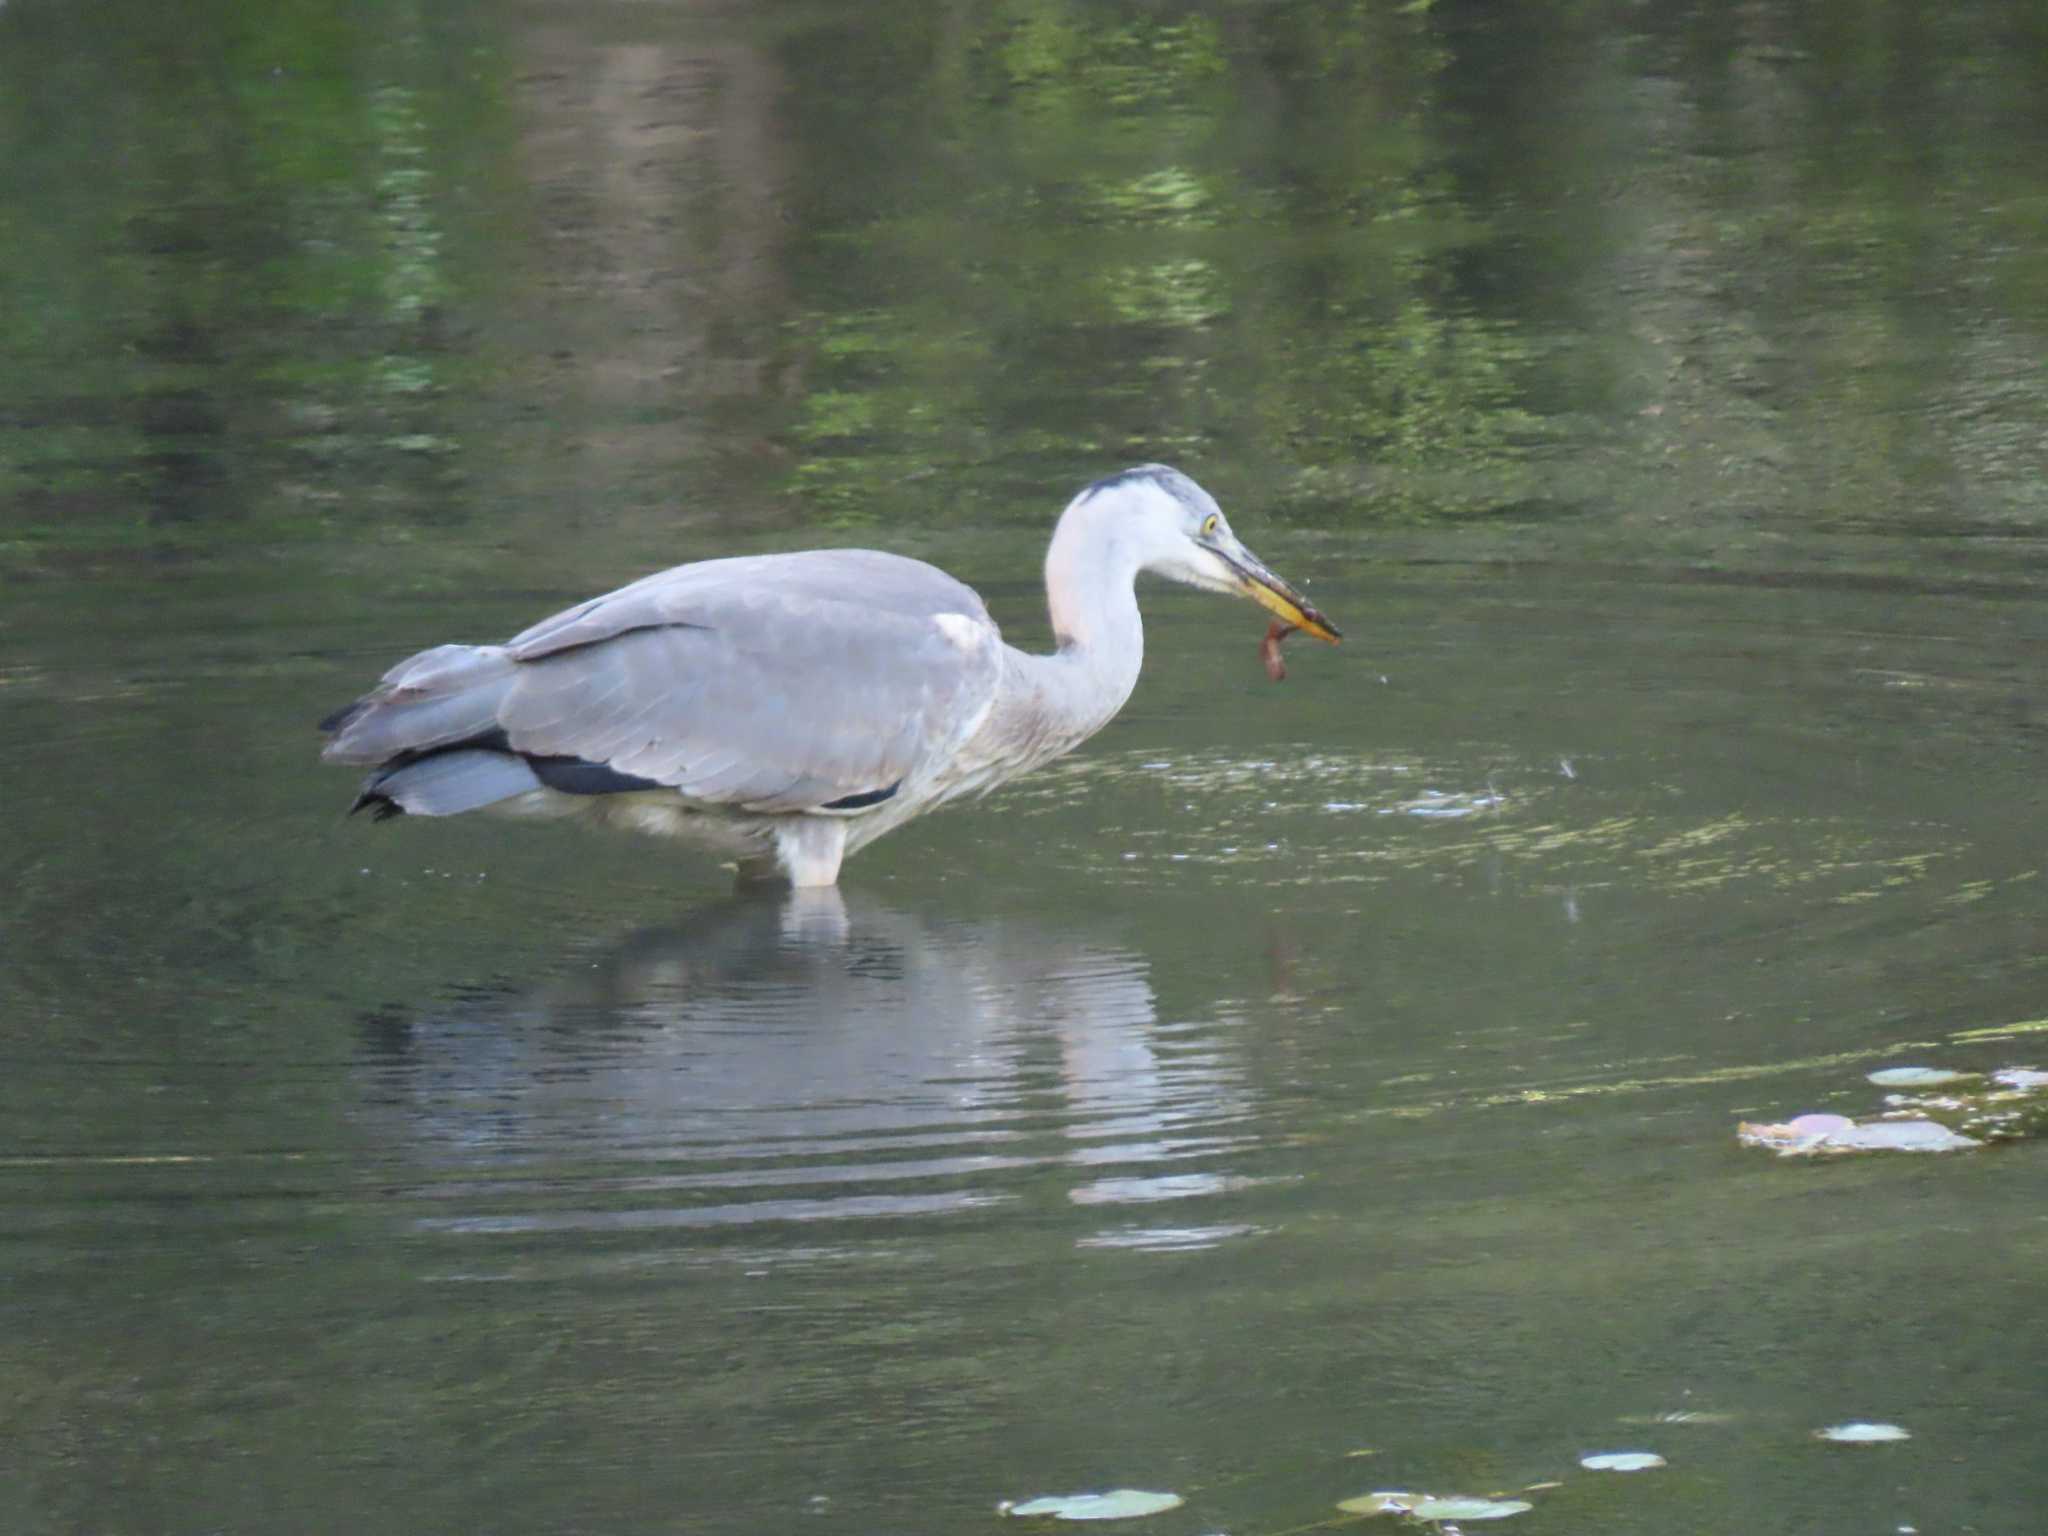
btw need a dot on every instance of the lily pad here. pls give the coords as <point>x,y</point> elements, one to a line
<point>1917,1077</point>
<point>1621,1461</point>
<point>2021,1077</point>
<point>1469,1509</point>
<point>1904,1136</point>
<point>1861,1433</point>
<point>1388,1501</point>
<point>1117,1504</point>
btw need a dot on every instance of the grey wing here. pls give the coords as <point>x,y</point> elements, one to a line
<point>868,578</point>
<point>779,683</point>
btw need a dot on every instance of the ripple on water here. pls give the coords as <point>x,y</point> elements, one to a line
<point>1323,819</point>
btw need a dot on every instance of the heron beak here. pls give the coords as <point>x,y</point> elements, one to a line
<point>1271,593</point>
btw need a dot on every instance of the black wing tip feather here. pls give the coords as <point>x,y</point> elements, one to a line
<point>863,800</point>
<point>567,775</point>
<point>380,805</point>
<point>342,717</point>
<point>580,776</point>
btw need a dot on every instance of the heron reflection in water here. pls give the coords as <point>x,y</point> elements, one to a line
<point>781,1056</point>
<point>787,710</point>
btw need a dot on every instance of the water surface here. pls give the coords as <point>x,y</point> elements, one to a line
<point>1655,396</point>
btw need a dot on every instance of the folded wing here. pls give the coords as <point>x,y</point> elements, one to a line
<point>771,683</point>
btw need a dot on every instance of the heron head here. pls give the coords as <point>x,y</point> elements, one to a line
<point>1182,534</point>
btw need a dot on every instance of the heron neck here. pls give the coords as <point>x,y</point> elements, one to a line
<point>1091,574</point>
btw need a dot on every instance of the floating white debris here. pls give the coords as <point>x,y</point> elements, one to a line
<point>1860,1433</point>
<point>1117,1504</point>
<point>1802,1133</point>
<point>2020,1077</point>
<point>1388,1501</point>
<point>1904,1136</point>
<point>1621,1461</point>
<point>1817,1135</point>
<point>1917,1077</point>
<point>1469,1509</point>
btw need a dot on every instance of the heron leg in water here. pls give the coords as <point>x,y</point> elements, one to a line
<point>807,853</point>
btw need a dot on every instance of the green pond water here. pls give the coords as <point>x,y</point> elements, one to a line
<point>1656,395</point>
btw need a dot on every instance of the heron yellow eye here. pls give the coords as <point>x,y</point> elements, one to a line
<point>1209,525</point>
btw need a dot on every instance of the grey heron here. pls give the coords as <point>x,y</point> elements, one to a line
<point>786,710</point>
